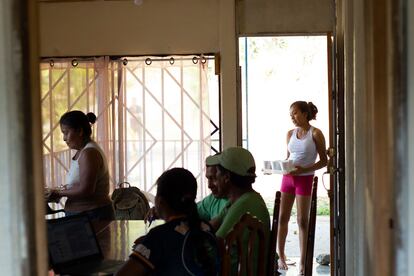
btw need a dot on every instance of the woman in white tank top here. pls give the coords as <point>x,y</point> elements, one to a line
<point>304,144</point>
<point>87,182</point>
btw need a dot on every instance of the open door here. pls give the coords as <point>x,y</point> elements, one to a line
<point>276,71</point>
<point>336,153</point>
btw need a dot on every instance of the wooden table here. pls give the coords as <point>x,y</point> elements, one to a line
<point>117,237</point>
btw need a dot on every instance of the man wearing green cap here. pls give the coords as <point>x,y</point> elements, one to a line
<point>211,206</point>
<point>234,178</point>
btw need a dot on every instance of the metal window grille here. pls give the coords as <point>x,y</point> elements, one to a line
<point>151,116</point>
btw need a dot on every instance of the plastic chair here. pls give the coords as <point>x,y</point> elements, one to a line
<point>272,265</point>
<point>311,230</point>
<point>245,262</point>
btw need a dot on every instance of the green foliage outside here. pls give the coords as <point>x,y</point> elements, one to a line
<point>322,206</point>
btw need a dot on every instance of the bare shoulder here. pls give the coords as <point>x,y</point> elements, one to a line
<point>316,132</point>
<point>90,154</point>
<point>289,133</point>
<point>318,137</point>
<point>90,151</point>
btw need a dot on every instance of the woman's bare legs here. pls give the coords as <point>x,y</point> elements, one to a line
<point>286,203</point>
<point>303,208</point>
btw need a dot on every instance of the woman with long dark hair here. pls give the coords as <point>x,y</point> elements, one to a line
<point>184,245</point>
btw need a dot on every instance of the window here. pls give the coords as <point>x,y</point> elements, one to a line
<point>153,114</point>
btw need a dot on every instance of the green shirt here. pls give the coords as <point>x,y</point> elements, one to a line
<point>210,207</point>
<point>253,203</point>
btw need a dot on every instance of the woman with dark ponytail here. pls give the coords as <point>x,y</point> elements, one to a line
<point>184,245</point>
<point>304,144</point>
<point>87,182</point>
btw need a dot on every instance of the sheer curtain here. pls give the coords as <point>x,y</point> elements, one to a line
<point>152,115</point>
<point>163,104</point>
<point>71,84</point>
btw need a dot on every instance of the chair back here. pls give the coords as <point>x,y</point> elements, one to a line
<point>51,211</point>
<point>311,231</point>
<point>272,265</point>
<point>245,262</point>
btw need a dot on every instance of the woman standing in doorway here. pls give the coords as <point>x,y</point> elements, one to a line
<point>304,144</point>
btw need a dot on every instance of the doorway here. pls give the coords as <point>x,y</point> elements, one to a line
<point>275,72</point>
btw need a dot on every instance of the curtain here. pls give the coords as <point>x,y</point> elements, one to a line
<point>68,84</point>
<point>164,108</point>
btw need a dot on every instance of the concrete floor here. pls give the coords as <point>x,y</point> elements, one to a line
<point>321,237</point>
<point>317,269</point>
<point>321,246</point>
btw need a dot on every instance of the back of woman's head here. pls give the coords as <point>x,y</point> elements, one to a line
<point>178,187</point>
<point>78,120</point>
<point>306,107</point>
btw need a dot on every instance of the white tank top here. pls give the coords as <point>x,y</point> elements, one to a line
<point>73,174</point>
<point>101,195</point>
<point>302,151</point>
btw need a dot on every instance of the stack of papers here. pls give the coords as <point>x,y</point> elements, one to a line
<point>278,167</point>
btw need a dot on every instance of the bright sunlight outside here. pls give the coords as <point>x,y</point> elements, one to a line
<point>277,71</point>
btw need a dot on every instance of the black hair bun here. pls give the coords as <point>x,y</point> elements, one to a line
<point>313,111</point>
<point>91,117</point>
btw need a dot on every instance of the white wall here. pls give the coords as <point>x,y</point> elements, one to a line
<point>169,27</point>
<point>375,184</point>
<point>410,182</point>
<point>122,28</point>
<point>285,16</point>
<point>9,225</point>
<point>22,227</point>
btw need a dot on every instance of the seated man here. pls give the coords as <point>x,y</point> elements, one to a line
<point>234,178</point>
<point>211,205</point>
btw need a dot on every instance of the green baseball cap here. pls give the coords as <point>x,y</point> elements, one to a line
<point>235,159</point>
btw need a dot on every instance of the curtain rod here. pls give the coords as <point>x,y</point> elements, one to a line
<point>136,58</point>
<point>171,60</point>
<point>148,61</point>
<point>115,57</point>
<point>72,1</point>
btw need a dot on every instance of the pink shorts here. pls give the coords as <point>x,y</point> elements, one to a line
<point>297,184</point>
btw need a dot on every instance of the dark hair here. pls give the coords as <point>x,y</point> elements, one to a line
<point>309,108</point>
<point>178,187</point>
<point>238,180</point>
<point>78,120</point>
